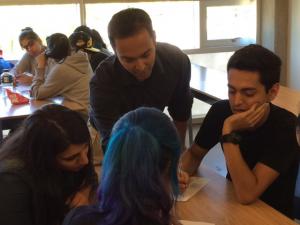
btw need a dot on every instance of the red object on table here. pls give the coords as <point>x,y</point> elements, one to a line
<point>16,98</point>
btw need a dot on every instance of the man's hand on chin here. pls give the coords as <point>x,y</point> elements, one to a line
<point>249,119</point>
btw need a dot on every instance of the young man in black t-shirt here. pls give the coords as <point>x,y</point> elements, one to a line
<point>257,137</point>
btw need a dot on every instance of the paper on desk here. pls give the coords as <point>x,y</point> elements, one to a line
<point>187,222</point>
<point>195,184</point>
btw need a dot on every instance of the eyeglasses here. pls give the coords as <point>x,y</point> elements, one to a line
<point>30,43</point>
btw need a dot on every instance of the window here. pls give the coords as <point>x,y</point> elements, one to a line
<point>196,26</point>
<point>44,19</point>
<point>228,23</point>
<point>174,22</point>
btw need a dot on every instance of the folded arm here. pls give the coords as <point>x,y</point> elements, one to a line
<point>248,183</point>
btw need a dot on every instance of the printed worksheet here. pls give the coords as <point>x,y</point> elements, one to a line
<point>195,185</point>
<point>187,222</point>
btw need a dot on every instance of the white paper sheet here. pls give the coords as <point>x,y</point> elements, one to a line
<point>195,185</point>
<point>187,222</point>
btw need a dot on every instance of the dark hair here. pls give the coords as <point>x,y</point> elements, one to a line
<point>95,35</point>
<point>41,137</point>
<point>141,159</point>
<point>97,40</point>
<point>80,40</point>
<point>58,46</point>
<point>29,34</point>
<point>128,22</point>
<point>256,58</point>
<point>84,29</point>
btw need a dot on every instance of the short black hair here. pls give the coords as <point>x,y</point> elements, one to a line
<point>79,40</point>
<point>256,58</point>
<point>84,29</point>
<point>58,46</point>
<point>94,34</point>
<point>128,22</point>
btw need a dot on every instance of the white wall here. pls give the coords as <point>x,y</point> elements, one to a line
<point>293,71</point>
<point>268,24</point>
<point>274,30</point>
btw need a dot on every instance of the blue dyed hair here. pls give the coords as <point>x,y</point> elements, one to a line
<point>139,178</point>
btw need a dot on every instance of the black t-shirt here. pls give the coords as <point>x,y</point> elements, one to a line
<point>114,91</point>
<point>273,144</point>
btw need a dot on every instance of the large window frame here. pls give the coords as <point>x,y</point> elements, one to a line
<point>223,44</point>
<point>206,46</point>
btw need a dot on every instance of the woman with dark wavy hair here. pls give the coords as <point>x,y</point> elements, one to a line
<point>139,176</point>
<point>46,168</point>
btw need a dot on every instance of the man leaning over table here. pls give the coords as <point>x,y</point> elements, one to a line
<point>141,73</point>
<point>258,138</point>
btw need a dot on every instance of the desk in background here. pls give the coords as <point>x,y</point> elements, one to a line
<point>12,115</point>
<point>215,203</point>
<point>210,86</point>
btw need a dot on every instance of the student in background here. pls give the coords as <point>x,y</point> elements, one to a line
<point>69,77</point>
<point>46,168</point>
<point>257,137</point>
<point>97,41</point>
<point>139,181</point>
<point>141,73</point>
<point>83,41</point>
<point>26,67</point>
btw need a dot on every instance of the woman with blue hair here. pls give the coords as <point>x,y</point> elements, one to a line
<point>139,176</point>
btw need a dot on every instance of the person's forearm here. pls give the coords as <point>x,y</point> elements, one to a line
<point>191,159</point>
<point>189,163</point>
<point>38,80</point>
<point>243,179</point>
<point>181,128</point>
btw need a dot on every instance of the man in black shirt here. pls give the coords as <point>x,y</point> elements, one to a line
<point>257,137</point>
<point>141,73</point>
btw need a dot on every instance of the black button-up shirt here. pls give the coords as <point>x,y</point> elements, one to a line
<point>114,91</point>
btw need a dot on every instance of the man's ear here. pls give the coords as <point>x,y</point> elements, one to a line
<point>273,91</point>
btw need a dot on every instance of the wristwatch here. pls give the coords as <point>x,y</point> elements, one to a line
<point>232,137</point>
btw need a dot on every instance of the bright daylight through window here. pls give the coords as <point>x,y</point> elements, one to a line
<point>190,25</point>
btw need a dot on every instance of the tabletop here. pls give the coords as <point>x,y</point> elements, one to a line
<point>11,115</point>
<point>216,203</point>
<point>10,111</point>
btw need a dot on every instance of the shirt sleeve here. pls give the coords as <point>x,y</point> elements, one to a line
<point>283,150</point>
<point>24,65</point>
<point>182,100</point>
<point>50,85</point>
<point>104,103</point>
<point>15,204</point>
<point>211,128</point>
